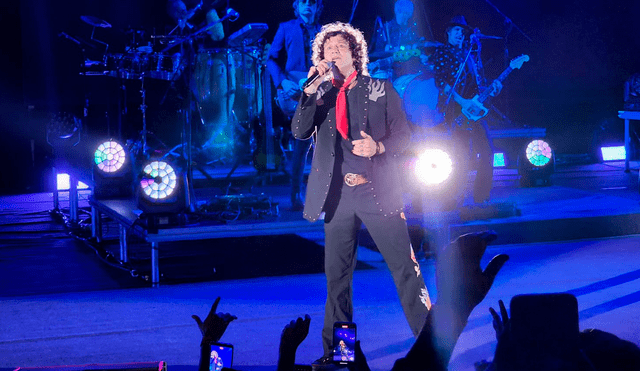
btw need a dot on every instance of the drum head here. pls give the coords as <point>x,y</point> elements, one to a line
<point>420,99</point>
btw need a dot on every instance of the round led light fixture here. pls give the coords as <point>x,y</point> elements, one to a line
<point>159,180</point>
<point>434,166</point>
<point>109,156</point>
<point>538,153</point>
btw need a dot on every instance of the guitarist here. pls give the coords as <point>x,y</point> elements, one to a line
<point>458,77</point>
<point>291,53</point>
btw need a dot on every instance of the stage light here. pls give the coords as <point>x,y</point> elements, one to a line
<point>498,160</point>
<point>112,171</point>
<point>159,180</point>
<point>434,166</point>
<point>615,153</point>
<point>63,183</point>
<point>110,156</point>
<point>538,153</point>
<point>161,191</point>
<point>63,127</point>
<point>536,164</point>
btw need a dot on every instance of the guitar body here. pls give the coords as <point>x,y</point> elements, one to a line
<point>475,111</point>
<point>288,104</point>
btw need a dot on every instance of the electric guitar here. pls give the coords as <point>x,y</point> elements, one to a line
<point>477,110</point>
<point>288,104</point>
<point>401,55</point>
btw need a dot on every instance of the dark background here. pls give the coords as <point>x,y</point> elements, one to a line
<point>581,54</point>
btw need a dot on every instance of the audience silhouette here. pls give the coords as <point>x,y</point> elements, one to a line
<point>461,285</point>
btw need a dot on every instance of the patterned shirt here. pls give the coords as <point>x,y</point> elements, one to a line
<point>446,62</point>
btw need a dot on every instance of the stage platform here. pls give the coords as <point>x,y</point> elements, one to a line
<point>582,202</point>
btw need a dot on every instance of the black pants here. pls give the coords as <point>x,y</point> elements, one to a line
<point>475,149</point>
<point>348,209</point>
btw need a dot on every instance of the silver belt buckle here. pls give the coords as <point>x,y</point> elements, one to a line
<point>351,179</point>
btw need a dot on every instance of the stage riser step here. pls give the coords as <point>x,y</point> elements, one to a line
<point>522,232</point>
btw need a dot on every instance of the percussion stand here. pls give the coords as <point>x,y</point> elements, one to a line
<point>186,128</point>
<point>251,85</point>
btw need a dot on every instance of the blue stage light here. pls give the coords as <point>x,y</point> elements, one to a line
<point>498,160</point>
<point>63,183</point>
<point>614,153</point>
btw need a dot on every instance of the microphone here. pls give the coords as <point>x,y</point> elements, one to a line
<point>314,77</point>
<point>194,10</point>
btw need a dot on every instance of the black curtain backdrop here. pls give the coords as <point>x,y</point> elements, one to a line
<point>581,54</point>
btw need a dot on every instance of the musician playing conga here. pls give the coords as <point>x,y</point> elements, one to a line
<point>458,77</point>
<point>288,63</point>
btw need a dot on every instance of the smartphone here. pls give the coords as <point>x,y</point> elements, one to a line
<point>544,330</point>
<point>344,342</point>
<point>221,356</point>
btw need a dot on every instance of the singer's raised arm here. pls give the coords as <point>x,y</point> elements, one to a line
<point>302,123</point>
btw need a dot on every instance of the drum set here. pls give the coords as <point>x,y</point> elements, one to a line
<point>222,84</point>
<point>411,73</point>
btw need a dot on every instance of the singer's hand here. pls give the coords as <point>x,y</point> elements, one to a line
<point>364,147</point>
<point>321,69</point>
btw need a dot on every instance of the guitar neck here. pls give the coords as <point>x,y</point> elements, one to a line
<point>487,92</point>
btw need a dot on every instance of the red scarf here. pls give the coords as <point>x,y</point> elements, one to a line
<point>342,120</point>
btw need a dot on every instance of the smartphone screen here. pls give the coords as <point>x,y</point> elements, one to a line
<point>344,342</point>
<point>221,356</point>
<point>544,329</point>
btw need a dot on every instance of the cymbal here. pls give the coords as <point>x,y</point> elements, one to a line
<point>95,21</point>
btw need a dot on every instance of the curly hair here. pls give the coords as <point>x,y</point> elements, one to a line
<point>355,38</point>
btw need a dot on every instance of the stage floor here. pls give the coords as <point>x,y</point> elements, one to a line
<point>62,304</point>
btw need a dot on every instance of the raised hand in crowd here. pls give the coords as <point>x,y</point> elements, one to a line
<point>292,336</point>
<point>212,330</point>
<point>501,321</point>
<point>461,285</point>
<point>214,325</point>
<point>360,363</point>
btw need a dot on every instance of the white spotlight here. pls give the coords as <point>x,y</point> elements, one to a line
<point>434,166</point>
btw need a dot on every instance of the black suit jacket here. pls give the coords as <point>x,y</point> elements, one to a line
<point>380,108</point>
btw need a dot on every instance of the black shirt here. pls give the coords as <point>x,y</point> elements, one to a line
<point>350,162</point>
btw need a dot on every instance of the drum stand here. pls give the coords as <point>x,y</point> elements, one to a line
<point>144,132</point>
<point>251,80</point>
<point>187,139</point>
